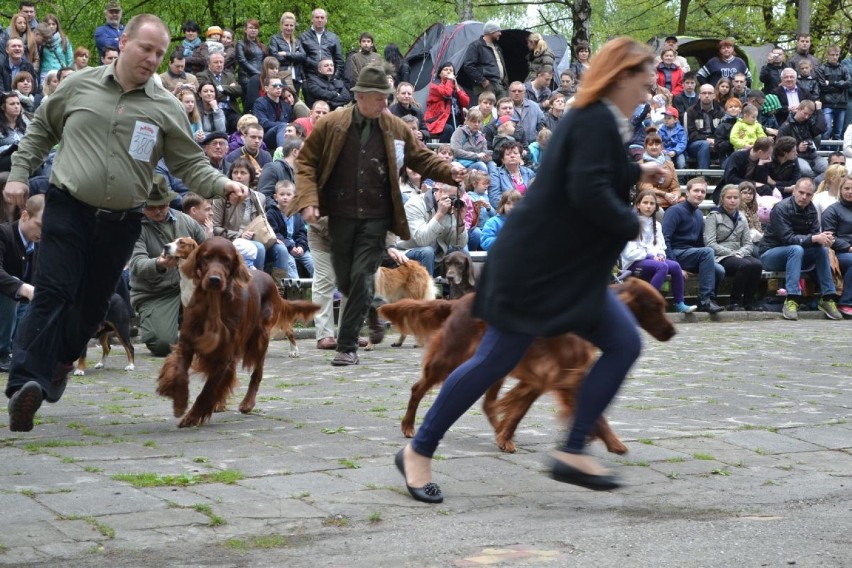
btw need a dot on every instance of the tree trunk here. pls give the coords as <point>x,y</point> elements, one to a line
<point>681,17</point>
<point>581,16</point>
<point>464,9</point>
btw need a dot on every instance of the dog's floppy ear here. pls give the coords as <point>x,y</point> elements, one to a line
<point>444,264</point>
<point>240,273</point>
<point>189,266</point>
<point>468,270</point>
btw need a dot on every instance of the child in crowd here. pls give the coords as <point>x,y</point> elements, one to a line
<point>469,145</point>
<point>291,231</point>
<point>485,105</point>
<point>646,255</point>
<point>492,227</point>
<point>674,137</point>
<point>748,207</point>
<point>747,129</point>
<point>808,82</point>
<point>657,116</point>
<point>505,134</point>
<point>200,209</point>
<point>479,207</point>
<point>722,135</point>
<point>537,148</point>
<point>688,96</point>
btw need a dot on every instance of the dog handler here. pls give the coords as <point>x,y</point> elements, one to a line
<point>115,123</point>
<point>585,177</point>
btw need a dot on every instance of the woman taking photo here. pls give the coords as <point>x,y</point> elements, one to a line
<point>212,117</point>
<point>726,231</point>
<point>564,287</point>
<point>444,104</point>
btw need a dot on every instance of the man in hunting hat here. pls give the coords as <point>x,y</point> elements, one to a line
<point>348,170</point>
<point>154,278</point>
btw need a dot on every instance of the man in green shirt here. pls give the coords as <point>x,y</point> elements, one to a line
<point>112,124</point>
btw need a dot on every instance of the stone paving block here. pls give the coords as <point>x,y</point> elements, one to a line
<point>831,437</point>
<point>18,508</point>
<point>156,519</point>
<point>101,499</point>
<point>76,529</point>
<point>36,533</point>
<point>296,484</point>
<point>769,442</point>
<point>268,507</point>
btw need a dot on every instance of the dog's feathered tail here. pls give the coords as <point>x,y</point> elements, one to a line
<point>420,318</point>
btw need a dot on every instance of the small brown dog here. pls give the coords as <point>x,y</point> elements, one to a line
<point>458,269</point>
<point>116,324</point>
<point>228,320</point>
<point>407,281</point>
<point>181,248</point>
<point>552,363</point>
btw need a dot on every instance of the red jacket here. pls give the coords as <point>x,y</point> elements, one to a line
<point>439,106</point>
<point>677,79</point>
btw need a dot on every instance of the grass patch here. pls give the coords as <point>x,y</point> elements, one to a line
<point>156,480</point>
<point>646,441</point>
<point>150,444</point>
<point>201,459</point>
<point>102,528</point>
<point>335,521</point>
<point>723,472</point>
<point>761,452</point>
<point>375,517</point>
<point>673,475</point>
<point>36,447</point>
<point>330,431</point>
<point>92,469</point>
<point>348,464</point>
<point>674,460</point>
<point>705,457</point>
<point>268,541</point>
<point>207,510</point>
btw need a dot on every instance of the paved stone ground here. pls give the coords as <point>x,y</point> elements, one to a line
<point>739,433</point>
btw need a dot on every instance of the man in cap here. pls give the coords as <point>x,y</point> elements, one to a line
<point>671,42</point>
<point>154,277</point>
<point>348,170</point>
<point>109,34</point>
<point>94,205</point>
<point>483,62</point>
<point>215,145</point>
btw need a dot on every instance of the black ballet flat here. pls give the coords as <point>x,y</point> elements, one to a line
<point>560,471</point>
<point>429,493</point>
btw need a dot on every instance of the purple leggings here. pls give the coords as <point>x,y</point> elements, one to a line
<point>654,271</point>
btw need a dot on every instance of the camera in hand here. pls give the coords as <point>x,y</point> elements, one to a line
<point>456,203</point>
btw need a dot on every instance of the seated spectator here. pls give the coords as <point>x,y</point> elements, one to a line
<point>727,233</point>
<point>476,185</point>
<point>765,111</point>
<point>674,137</point>
<point>537,90</point>
<point>251,149</point>
<point>273,113</point>
<point>739,90</point>
<point>281,169</point>
<point>318,110</point>
<point>436,222</point>
<point>836,157</point>
<point>723,91</point>
<point>256,85</point>
<point>567,85</point>
<point>444,104</point>
<point>687,96</point>
<point>507,129</point>
<point>702,119</point>
<point>230,221</point>
<point>538,147</point>
<point>669,73</point>
<point>683,230</point>
<point>409,183</point>
<point>200,209</point>
<point>154,277</point>
<point>527,112</point>
<point>413,125</point>
<point>189,100</point>
<point>751,165</point>
<point>469,146</point>
<point>645,256</point>
<point>789,94</point>
<point>793,241</point>
<point>784,169</point>
<point>227,87</point>
<point>12,128</point>
<point>492,227</point>
<point>747,129</point>
<point>215,146</point>
<point>23,85</point>
<point>300,109</point>
<point>667,188</point>
<point>837,220</point>
<point>808,81</point>
<point>323,86</point>
<point>358,60</point>
<point>212,116</point>
<point>290,230</point>
<point>805,126</point>
<point>748,209</point>
<point>485,104</point>
<point>828,191</point>
<point>555,110</point>
<point>722,134</point>
<point>505,107</point>
<point>176,76</point>
<point>405,105</point>
<point>18,259</point>
<point>236,139</point>
<point>511,175</point>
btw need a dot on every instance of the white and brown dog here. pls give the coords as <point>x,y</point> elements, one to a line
<point>181,248</point>
<point>407,281</point>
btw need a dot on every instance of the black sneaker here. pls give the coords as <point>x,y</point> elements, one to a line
<point>709,306</point>
<point>376,327</point>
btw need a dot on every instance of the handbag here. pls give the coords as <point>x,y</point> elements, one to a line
<point>260,226</point>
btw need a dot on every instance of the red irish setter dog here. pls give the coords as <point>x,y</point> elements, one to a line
<point>558,363</point>
<point>229,318</point>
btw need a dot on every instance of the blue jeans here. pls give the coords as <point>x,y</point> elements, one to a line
<point>474,237</point>
<point>845,261</point>
<point>260,259</point>
<point>701,260</point>
<point>700,150</point>
<point>499,352</point>
<point>791,258</point>
<point>82,257</point>
<point>274,137</point>
<point>834,120</point>
<point>280,258</point>
<point>11,313</point>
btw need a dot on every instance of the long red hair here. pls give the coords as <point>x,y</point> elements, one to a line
<point>616,56</point>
